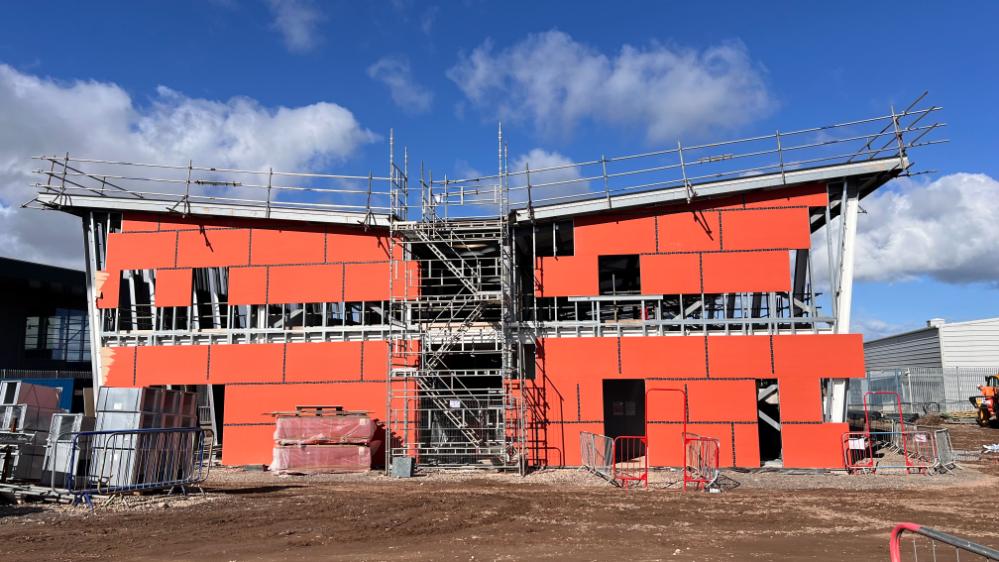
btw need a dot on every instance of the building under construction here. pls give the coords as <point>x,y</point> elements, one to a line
<point>487,322</point>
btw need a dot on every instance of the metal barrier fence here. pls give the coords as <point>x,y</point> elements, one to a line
<point>112,462</point>
<point>923,390</point>
<point>701,464</point>
<point>597,454</point>
<point>631,460</point>
<point>945,450</point>
<point>931,544</point>
<point>871,451</point>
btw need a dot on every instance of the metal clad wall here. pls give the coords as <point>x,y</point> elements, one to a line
<point>970,344</point>
<point>914,349</point>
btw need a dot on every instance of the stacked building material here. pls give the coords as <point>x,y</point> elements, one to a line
<point>25,416</point>
<point>315,440</point>
<point>130,458</point>
<point>60,461</point>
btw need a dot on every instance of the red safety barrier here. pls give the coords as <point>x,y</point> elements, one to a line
<point>933,544</point>
<point>631,461</point>
<point>701,464</point>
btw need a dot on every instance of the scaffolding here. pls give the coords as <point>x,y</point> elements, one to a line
<point>454,390</point>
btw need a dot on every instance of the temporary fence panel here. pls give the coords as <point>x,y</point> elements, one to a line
<point>924,390</point>
<point>631,461</point>
<point>871,451</point>
<point>701,461</point>
<point>910,541</point>
<point>597,454</point>
<point>132,460</point>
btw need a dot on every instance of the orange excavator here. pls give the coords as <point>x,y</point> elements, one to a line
<point>987,403</point>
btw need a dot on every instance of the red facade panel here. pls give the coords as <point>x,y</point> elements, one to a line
<point>822,355</point>
<point>248,444</point>
<point>670,274</point>
<point>814,445</point>
<point>139,222</point>
<point>248,285</point>
<point>694,231</point>
<point>253,403</point>
<point>141,250</point>
<point>567,276</point>
<point>604,236</point>
<point>721,401</point>
<point>177,364</point>
<point>800,399</point>
<point>375,360</point>
<point>664,356</point>
<point>106,287</point>
<point>807,195</point>
<point>406,281</point>
<point>173,287</point>
<point>739,357</point>
<point>665,444</point>
<point>747,444</point>
<point>765,229</point>
<point>305,283</point>
<point>578,358</point>
<point>563,441</point>
<point>273,247</point>
<point>663,403</point>
<point>366,282</point>
<point>344,244</point>
<point>213,247</point>
<point>258,362</point>
<point>118,366</point>
<point>323,361</point>
<point>746,272</point>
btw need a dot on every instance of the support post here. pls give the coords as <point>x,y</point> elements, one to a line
<point>94,314</point>
<point>838,387</point>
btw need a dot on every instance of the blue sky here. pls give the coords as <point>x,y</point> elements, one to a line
<point>805,63</point>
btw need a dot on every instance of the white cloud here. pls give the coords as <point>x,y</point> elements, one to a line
<point>873,328</point>
<point>297,21</point>
<point>555,82</point>
<point>566,179</point>
<point>396,73</point>
<point>100,120</point>
<point>428,19</point>
<point>946,229</point>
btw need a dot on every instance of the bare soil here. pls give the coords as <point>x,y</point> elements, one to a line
<point>564,514</point>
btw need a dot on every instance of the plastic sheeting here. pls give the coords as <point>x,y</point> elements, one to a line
<point>310,430</point>
<point>313,459</point>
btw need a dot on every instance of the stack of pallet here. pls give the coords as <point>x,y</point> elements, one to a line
<point>323,439</point>
<point>25,416</point>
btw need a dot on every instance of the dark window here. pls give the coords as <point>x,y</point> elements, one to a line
<point>620,275</point>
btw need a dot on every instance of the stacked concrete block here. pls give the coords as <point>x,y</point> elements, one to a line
<point>25,413</point>
<point>311,444</point>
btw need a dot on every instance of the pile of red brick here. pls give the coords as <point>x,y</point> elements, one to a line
<point>323,443</point>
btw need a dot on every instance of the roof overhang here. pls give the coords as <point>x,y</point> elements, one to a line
<point>284,212</point>
<point>870,173</point>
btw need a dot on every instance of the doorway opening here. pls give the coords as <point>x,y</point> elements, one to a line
<point>768,420</point>
<point>624,407</point>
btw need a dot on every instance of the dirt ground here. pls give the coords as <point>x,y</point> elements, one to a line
<point>564,514</point>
